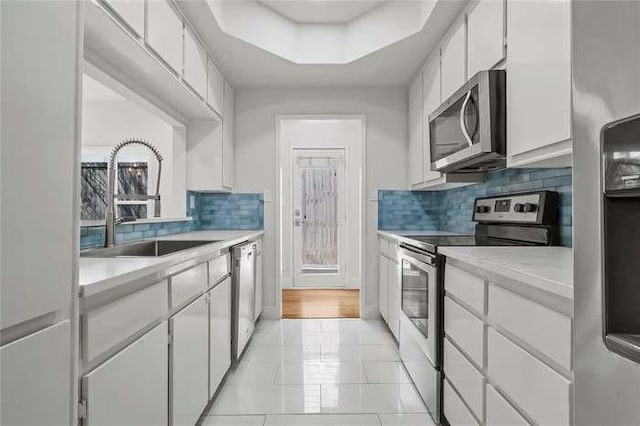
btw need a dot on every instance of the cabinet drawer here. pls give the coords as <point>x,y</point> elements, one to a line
<point>106,326</point>
<point>218,268</point>
<point>546,330</point>
<point>541,392</point>
<point>187,284</point>
<point>454,409</point>
<point>466,287</point>
<point>466,330</point>
<point>464,377</point>
<point>500,412</point>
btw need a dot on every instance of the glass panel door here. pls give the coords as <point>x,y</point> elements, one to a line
<point>318,218</point>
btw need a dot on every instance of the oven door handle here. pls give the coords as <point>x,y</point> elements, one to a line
<point>421,257</point>
<point>463,125</point>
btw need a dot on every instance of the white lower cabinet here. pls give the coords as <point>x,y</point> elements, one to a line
<point>219,334</point>
<point>500,412</point>
<point>394,299</point>
<point>37,368</point>
<point>454,409</point>
<point>507,357</point>
<point>189,362</point>
<point>130,388</point>
<point>258,272</point>
<point>383,286</point>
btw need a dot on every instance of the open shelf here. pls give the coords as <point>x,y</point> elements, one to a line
<point>111,47</point>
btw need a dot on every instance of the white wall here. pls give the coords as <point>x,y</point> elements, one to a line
<point>256,157</point>
<point>105,123</point>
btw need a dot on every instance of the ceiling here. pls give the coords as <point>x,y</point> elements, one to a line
<point>321,11</point>
<point>393,65</point>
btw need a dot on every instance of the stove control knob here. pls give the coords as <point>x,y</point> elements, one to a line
<point>530,208</point>
<point>483,209</point>
<point>518,208</point>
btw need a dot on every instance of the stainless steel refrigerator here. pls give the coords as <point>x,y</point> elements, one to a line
<point>606,101</point>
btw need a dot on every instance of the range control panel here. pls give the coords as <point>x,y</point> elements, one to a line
<point>517,208</point>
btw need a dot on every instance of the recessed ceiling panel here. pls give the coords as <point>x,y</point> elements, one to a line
<point>321,11</point>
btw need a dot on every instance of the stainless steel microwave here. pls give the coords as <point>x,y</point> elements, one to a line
<point>468,131</point>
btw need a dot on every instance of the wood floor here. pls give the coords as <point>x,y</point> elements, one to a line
<point>321,303</point>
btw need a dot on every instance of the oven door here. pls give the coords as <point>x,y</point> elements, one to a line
<point>420,296</point>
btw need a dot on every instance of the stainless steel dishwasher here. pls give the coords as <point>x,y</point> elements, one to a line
<point>243,278</point>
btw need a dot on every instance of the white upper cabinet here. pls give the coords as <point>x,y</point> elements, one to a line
<point>415,131</point>
<point>131,12</point>
<point>195,64</point>
<point>485,35</point>
<point>165,33</point>
<point>453,61</point>
<point>228,124</point>
<point>539,82</point>
<point>430,101</point>
<point>215,91</point>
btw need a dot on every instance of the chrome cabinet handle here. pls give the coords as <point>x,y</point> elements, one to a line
<point>463,126</point>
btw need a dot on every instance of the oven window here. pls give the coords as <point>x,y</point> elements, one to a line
<point>415,295</point>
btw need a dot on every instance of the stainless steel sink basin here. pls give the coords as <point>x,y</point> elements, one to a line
<point>151,248</point>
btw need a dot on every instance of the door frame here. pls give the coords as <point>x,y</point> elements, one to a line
<point>281,151</point>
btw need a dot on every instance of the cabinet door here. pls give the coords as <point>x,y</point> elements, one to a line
<point>164,33</point>
<point>395,298</point>
<point>131,12</point>
<point>36,378</point>
<point>383,286</point>
<point>220,334</point>
<point>195,64</point>
<point>131,388</point>
<point>415,131</point>
<point>485,35</point>
<point>215,88</point>
<point>431,100</point>
<point>258,302</point>
<point>204,157</point>
<point>453,62</point>
<point>190,362</point>
<point>538,76</point>
<point>228,123</point>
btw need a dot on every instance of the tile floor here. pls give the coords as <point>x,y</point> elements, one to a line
<point>340,372</point>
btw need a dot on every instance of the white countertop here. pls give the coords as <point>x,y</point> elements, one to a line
<point>100,274</point>
<point>547,268</point>
<point>396,234</point>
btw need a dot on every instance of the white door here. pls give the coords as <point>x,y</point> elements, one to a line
<point>219,334</point>
<point>319,218</point>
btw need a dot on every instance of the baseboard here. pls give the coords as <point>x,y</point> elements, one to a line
<point>370,312</point>
<point>270,313</point>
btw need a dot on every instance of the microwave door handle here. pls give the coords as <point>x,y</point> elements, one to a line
<point>463,126</point>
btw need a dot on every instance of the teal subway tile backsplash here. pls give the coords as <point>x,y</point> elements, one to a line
<point>211,211</point>
<point>452,210</point>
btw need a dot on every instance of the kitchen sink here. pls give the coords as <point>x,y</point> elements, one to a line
<point>151,248</point>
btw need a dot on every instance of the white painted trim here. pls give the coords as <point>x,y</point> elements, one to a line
<point>278,203</point>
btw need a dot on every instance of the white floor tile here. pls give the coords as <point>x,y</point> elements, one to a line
<point>253,373</point>
<point>262,337</point>
<point>268,399</point>
<point>340,352</point>
<point>287,325</point>
<point>406,420</point>
<point>314,372</point>
<point>385,372</point>
<point>233,421</point>
<point>371,398</point>
<point>323,420</point>
<point>282,353</point>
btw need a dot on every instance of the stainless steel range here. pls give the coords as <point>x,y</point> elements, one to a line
<point>509,220</point>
